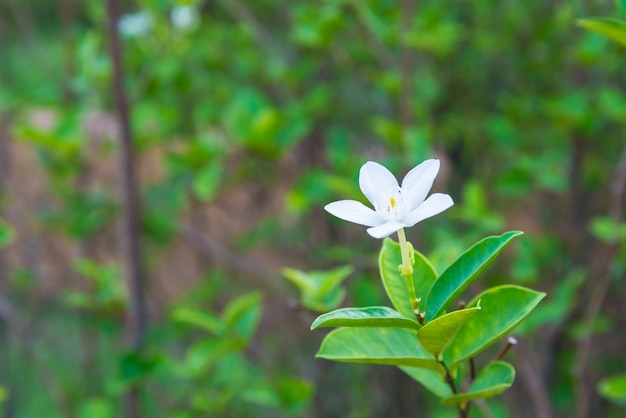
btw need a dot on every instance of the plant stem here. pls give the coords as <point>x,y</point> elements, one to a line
<point>510,342</point>
<point>406,271</point>
<point>449,379</point>
<point>130,243</point>
<point>463,409</point>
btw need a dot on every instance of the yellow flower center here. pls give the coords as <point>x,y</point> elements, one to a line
<point>392,201</point>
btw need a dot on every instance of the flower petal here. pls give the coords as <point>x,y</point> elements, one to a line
<point>353,211</point>
<point>418,182</point>
<point>386,229</point>
<point>375,180</point>
<point>436,203</point>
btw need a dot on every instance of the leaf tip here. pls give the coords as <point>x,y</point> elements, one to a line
<point>316,323</point>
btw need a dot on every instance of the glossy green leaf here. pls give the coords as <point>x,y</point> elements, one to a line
<point>423,277</point>
<point>463,271</point>
<point>437,334</point>
<point>494,379</point>
<point>613,29</point>
<point>614,389</point>
<point>372,317</point>
<point>392,346</point>
<point>430,379</point>
<point>502,309</point>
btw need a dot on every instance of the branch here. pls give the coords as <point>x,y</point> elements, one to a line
<point>129,233</point>
<point>530,372</point>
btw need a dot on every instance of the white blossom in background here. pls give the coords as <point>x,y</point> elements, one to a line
<point>135,25</point>
<point>185,17</point>
<point>395,206</point>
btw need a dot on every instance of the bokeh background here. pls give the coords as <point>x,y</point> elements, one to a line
<point>247,117</point>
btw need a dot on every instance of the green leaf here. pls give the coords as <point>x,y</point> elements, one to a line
<point>430,379</point>
<point>423,277</point>
<point>371,317</point>
<point>437,334</point>
<point>320,290</point>
<point>463,271</point>
<point>606,229</point>
<point>6,234</point>
<point>196,317</point>
<point>491,381</point>
<point>326,302</point>
<point>392,346</point>
<point>241,316</point>
<point>206,182</point>
<point>502,309</point>
<point>613,29</point>
<point>294,392</point>
<point>614,389</point>
<point>95,408</point>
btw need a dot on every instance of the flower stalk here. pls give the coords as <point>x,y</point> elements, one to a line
<point>406,271</point>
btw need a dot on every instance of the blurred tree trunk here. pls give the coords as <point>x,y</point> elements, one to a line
<point>130,244</point>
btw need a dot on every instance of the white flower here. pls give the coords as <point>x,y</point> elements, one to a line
<point>185,17</point>
<point>395,207</point>
<point>134,25</point>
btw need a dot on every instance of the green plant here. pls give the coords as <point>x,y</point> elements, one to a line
<point>424,335</point>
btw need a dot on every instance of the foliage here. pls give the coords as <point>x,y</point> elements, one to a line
<point>215,375</point>
<point>438,342</point>
<point>320,290</point>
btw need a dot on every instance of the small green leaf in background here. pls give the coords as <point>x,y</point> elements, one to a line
<point>502,309</point>
<point>136,366</point>
<point>319,290</point>
<point>97,408</point>
<point>371,317</point>
<point>463,271</point>
<point>198,318</point>
<point>613,29</point>
<point>614,389</point>
<point>423,277</point>
<point>294,392</point>
<point>108,290</point>
<point>207,181</point>
<point>491,381</point>
<point>437,334</point>
<point>392,346</point>
<point>608,230</point>
<point>241,316</point>
<point>6,234</point>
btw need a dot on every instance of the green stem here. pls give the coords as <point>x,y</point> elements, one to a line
<point>406,271</point>
<point>463,409</point>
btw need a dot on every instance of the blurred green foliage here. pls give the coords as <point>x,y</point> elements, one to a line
<point>525,109</point>
<point>321,291</point>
